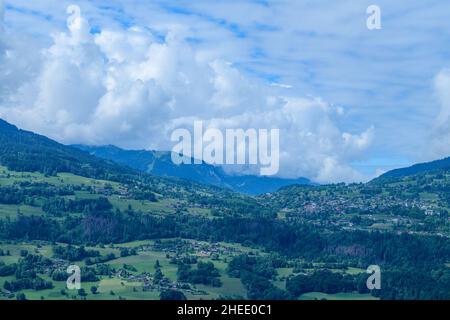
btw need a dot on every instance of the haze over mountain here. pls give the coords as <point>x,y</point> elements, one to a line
<point>160,163</point>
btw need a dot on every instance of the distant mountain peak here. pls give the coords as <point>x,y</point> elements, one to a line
<point>160,163</point>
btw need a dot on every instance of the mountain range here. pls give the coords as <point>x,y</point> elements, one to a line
<point>26,151</point>
<point>159,163</point>
<point>22,150</point>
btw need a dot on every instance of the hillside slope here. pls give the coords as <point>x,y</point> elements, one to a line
<point>427,167</point>
<point>22,150</point>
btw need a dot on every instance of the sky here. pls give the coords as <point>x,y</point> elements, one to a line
<point>350,102</point>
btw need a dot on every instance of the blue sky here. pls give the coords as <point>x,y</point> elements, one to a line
<point>391,81</point>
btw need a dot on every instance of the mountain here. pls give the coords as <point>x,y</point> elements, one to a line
<point>25,151</point>
<point>22,150</point>
<point>160,163</point>
<point>157,163</point>
<point>436,166</point>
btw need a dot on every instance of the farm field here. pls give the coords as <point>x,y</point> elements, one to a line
<point>151,255</point>
<point>131,285</point>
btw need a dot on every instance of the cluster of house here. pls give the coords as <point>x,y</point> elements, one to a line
<point>344,205</point>
<point>150,283</point>
<point>107,190</point>
<point>177,249</point>
<point>201,249</point>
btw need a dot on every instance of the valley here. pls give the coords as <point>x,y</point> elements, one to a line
<point>140,236</point>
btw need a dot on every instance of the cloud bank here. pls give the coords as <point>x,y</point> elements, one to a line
<point>439,136</point>
<point>131,87</point>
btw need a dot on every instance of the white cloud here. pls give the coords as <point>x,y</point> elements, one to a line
<point>439,138</point>
<point>442,86</point>
<point>19,60</point>
<point>129,88</point>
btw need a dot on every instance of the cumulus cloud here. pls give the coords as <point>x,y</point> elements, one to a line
<point>132,88</point>
<point>439,139</point>
<point>19,60</point>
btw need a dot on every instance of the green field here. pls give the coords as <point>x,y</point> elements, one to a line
<point>11,211</point>
<point>113,287</point>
